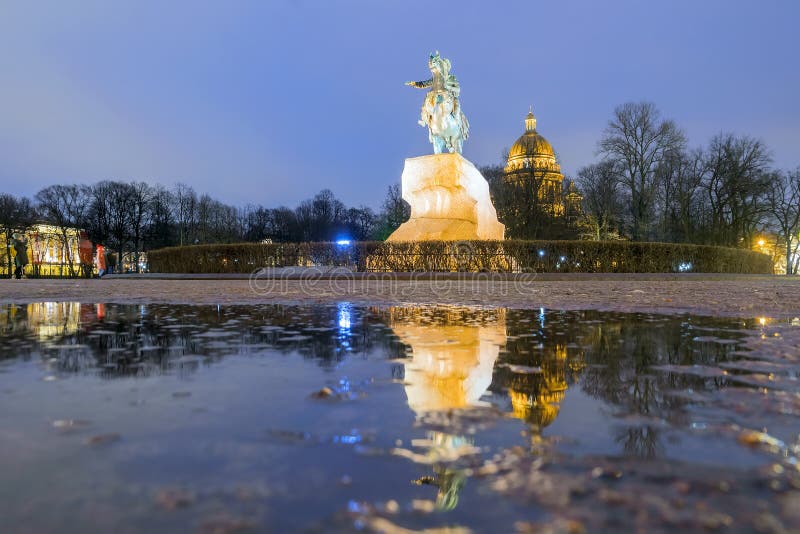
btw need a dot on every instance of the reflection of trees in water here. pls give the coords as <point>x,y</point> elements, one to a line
<point>128,340</point>
<point>543,344</point>
<point>642,441</point>
<point>620,351</point>
<point>13,330</point>
<point>611,356</point>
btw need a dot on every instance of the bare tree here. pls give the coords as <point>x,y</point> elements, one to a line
<point>637,140</point>
<point>736,187</point>
<point>328,216</point>
<point>119,214</point>
<point>394,212</point>
<point>185,213</point>
<point>161,229</point>
<point>97,218</point>
<point>15,214</point>
<point>784,207</point>
<point>141,195</point>
<point>65,207</point>
<point>255,223</point>
<point>283,226</point>
<point>217,222</point>
<point>602,205</point>
<point>119,200</point>
<point>361,223</point>
<point>680,196</point>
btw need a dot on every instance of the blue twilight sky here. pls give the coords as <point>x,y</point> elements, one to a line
<point>268,102</point>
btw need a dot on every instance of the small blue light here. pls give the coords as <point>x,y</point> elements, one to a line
<point>346,439</point>
<point>354,507</point>
<point>563,258</point>
<point>342,242</point>
<point>541,253</point>
<point>684,267</point>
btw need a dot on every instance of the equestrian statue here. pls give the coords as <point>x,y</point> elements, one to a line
<point>441,110</point>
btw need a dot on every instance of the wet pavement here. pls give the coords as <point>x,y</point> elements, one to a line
<point>344,417</point>
<point>700,294</point>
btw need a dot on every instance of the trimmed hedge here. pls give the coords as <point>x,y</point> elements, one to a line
<point>498,256</point>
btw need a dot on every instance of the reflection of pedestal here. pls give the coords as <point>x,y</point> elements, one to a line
<point>453,357</point>
<point>452,362</point>
<point>449,201</point>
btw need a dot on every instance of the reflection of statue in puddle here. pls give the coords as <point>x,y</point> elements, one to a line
<point>443,449</point>
<point>453,357</point>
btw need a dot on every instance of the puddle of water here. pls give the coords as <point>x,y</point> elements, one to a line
<point>335,418</point>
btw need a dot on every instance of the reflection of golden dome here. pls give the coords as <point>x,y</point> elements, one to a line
<point>540,410</point>
<point>532,150</point>
<point>536,397</point>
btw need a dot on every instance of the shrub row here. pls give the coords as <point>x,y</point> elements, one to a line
<point>501,256</point>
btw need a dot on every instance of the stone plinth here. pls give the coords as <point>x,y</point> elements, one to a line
<point>449,201</point>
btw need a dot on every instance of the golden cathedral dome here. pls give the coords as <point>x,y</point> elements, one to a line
<point>532,150</point>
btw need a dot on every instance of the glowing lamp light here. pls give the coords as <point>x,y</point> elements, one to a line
<point>684,267</point>
<point>541,253</point>
<point>761,242</point>
<point>343,317</point>
<point>762,321</point>
<point>343,242</point>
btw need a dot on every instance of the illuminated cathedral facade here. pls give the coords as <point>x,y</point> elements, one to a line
<point>532,165</point>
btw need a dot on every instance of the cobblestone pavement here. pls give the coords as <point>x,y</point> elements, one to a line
<point>746,296</point>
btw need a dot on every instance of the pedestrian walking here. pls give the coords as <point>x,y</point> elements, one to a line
<point>21,258</point>
<point>101,260</point>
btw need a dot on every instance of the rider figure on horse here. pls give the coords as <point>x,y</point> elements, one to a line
<point>441,110</point>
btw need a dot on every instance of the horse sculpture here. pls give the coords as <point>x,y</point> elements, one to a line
<point>441,110</point>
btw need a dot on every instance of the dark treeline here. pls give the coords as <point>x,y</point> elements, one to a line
<point>649,184</point>
<point>130,217</point>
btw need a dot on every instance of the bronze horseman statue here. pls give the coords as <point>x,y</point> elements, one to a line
<point>449,197</point>
<point>441,110</point>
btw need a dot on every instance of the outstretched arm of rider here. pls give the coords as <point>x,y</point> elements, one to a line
<point>421,85</point>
